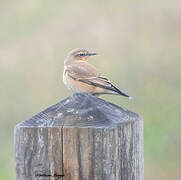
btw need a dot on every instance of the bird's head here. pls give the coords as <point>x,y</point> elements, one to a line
<point>79,55</point>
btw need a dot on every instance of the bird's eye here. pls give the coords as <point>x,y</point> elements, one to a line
<point>81,54</point>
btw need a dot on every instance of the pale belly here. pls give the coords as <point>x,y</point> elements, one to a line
<point>76,86</point>
<point>71,84</point>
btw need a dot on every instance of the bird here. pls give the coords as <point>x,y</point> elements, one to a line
<point>81,77</point>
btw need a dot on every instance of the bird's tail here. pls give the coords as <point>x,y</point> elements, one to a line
<point>116,90</point>
<point>111,89</point>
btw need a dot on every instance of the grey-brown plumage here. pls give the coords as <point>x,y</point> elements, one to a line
<point>80,76</point>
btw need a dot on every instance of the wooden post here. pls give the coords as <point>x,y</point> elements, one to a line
<point>80,138</point>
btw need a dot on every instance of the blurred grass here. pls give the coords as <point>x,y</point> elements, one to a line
<point>139,47</point>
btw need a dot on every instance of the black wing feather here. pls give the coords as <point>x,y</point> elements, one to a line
<point>110,88</point>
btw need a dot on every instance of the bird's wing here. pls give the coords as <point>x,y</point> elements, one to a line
<point>82,70</point>
<point>105,84</point>
<point>87,73</point>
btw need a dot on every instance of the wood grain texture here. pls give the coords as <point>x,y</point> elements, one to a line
<point>38,152</point>
<point>83,138</point>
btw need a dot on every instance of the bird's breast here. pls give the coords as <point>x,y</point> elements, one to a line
<point>67,80</point>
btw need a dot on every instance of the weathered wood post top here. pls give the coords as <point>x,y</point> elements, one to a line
<point>80,138</point>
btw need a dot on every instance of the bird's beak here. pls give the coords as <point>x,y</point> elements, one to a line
<point>91,54</point>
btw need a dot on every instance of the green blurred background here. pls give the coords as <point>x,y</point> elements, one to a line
<point>139,46</point>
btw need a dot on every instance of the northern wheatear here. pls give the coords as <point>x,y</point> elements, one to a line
<point>80,76</point>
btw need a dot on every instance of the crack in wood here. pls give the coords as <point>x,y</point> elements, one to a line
<point>62,147</point>
<point>92,139</point>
